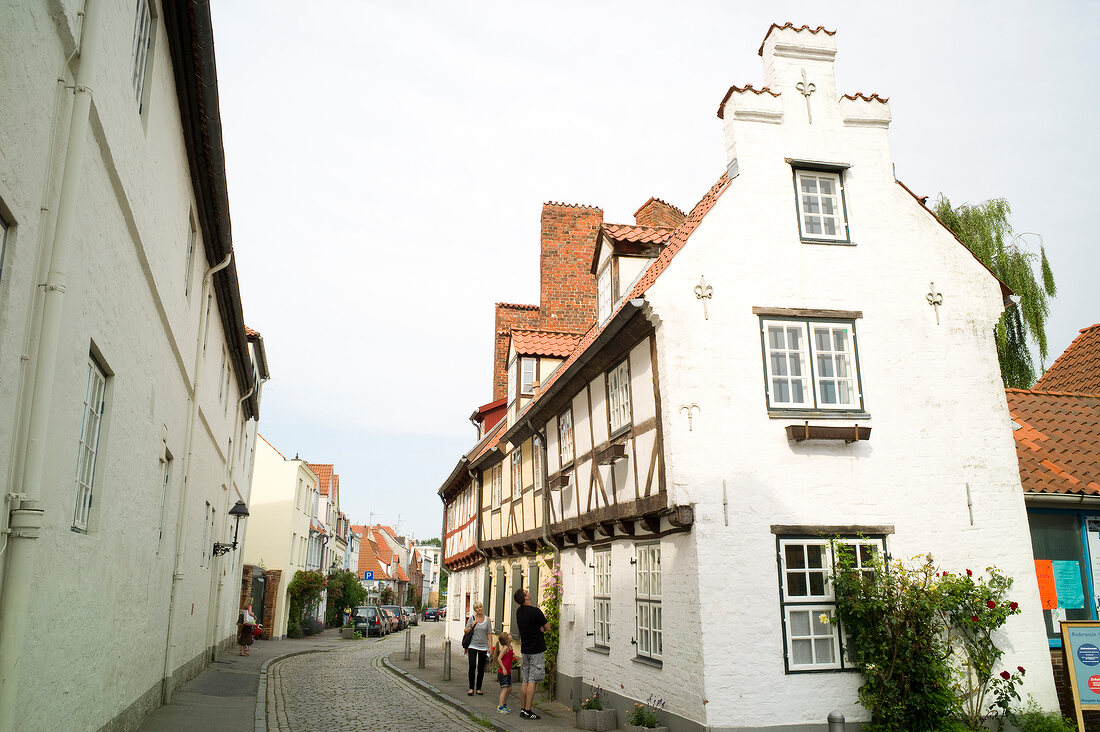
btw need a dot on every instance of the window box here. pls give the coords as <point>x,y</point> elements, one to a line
<point>610,454</point>
<point>806,431</point>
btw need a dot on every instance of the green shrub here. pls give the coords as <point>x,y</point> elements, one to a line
<point>1033,718</point>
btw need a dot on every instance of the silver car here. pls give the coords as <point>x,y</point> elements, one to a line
<point>411,616</point>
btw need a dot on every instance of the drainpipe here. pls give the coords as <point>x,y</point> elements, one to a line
<point>26,510</point>
<point>192,417</point>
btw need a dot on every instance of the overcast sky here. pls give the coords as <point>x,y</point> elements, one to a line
<point>388,162</point>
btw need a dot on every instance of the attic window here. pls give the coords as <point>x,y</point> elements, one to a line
<point>819,193</point>
<point>603,294</point>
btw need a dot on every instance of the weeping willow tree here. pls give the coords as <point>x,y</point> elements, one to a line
<point>985,230</point>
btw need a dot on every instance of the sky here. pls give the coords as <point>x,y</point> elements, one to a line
<point>388,161</point>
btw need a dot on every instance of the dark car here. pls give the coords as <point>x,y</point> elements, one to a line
<point>431,613</point>
<point>412,615</point>
<point>368,621</point>
<point>397,613</point>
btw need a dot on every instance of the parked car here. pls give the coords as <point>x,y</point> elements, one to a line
<point>394,623</point>
<point>413,616</point>
<point>432,613</point>
<point>397,613</point>
<point>442,612</point>
<point>369,621</point>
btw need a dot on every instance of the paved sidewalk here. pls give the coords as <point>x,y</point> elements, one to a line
<point>228,695</point>
<point>556,717</point>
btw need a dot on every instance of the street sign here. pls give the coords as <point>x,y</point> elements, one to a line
<point>368,575</point>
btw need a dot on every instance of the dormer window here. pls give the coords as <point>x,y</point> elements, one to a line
<point>603,294</point>
<point>527,373</point>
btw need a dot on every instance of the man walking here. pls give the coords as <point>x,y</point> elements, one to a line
<point>532,624</point>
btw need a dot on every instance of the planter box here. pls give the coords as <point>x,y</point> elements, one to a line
<point>347,633</point>
<point>633,728</point>
<point>600,720</point>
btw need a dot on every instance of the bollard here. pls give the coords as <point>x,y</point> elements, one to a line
<point>408,644</point>
<point>423,642</point>
<point>447,660</point>
<point>836,722</point>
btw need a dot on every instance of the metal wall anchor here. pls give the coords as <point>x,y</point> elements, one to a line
<point>704,292</point>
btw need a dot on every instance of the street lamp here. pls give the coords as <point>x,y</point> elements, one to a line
<point>238,512</point>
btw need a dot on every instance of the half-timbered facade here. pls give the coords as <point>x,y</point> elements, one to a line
<point>692,461</point>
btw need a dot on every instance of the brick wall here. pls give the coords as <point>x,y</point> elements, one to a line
<point>567,299</point>
<point>271,598</point>
<point>508,317</point>
<point>656,212</point>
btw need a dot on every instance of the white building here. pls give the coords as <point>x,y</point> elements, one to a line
<point>432,556</point>
<point>130,386</point>
<point>283,494</point>
<point>691,457</point>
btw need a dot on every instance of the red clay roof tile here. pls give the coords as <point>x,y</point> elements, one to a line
<point>741,90</point>
<point>1077,370</point>
<point>323,471</point>
<point>872,98</point>
<point>1058,442</point>
<point>788,24</point>
<point>544,343</point>
<point>633,233</point>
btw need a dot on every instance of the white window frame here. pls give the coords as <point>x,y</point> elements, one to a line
<point>536,461</point>
<point>517,471</point>
<point>811,356</point>
<point>604,298</point>
<point>565,437</point>
<point>618,397</point>
<point>528,374</point>
<point>142,44</point>
<point>648,611</point>
<point>91,424</point>
<point>815,199</point>
<point>817,599</point>
<point>601,597</point>
<point>512,383</point>
<point>495,479</point>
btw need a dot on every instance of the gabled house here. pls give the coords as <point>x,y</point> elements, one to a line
<point>743,398</point>
<point>373,574</point>
<point>1056,426</point>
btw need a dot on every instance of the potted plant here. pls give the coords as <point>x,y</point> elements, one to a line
<point>591,714</point>
<point>644,716</point>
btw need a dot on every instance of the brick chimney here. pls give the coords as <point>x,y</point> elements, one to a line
<point>508,316</point>
<point>656,212</point>
<point>567,301</point>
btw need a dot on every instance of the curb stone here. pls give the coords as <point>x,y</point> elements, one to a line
<point>261,724</point>
<point>441,695</point>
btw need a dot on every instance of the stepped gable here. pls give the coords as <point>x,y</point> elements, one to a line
<point>872,98</point>
<point>1078,368</point>
<point>1057,439</point>
<point>740,90</point>
<point>774,27</point>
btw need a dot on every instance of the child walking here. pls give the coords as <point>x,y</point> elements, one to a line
<point>503,658</point>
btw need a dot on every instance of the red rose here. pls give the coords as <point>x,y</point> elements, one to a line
<point>1013,605</point>
<point>990,604</point>
<point>974,618</point>
<point>1020,669</point>
<point>1006,675</point>
<point>969,573</point>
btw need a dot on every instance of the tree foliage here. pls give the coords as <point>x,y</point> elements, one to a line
<point>344,590</point>
<point>985,230</point>
<point>303,592</point>
<point>386,596</point>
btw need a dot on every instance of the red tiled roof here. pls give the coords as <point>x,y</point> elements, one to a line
<point>872,98</point>
<point>250,333</point>
<point>788,24</point>
<point>1058,442</point>
<point>544,343</point>
<point>633,233</point>
<point>1078,368</point>
<point>514,306</point>
<point>324,475</point>
<point>691,223</point>
<point>368,562</point>
<point>401,576</point>
<point>490,440</point>
<point>318,528</point>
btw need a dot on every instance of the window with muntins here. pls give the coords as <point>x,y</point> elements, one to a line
<point>601,598</point>
<point>648,602</point>
<point>139,60</point>
<point>496,481</point>
<point>603,294</point>
<point>536,461</point>
<point>95,394</point>
<point>811,364</point>
<point>811,630</point>
<point>565,436</point>
<point>528,367</point>
<point>618,397</point>
<point>517,471</point>
<point>821,206</point>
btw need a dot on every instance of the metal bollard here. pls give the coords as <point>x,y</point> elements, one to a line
<point>447,660</point>
<point>408,644</point>
<point>423,644</point>
<point>836,722</point>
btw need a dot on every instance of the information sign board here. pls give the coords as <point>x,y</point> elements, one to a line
<point>1081,645</point>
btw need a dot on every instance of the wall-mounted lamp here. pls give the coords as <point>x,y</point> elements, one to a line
<point>239,511</point>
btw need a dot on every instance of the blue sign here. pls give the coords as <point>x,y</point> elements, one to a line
<point>1088,654</point>
<point>1082,640</point>
<point>368,575</point>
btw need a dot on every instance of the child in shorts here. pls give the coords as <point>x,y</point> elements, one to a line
<point>503,658</point>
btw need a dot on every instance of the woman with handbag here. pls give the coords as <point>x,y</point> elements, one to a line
<point>246,624</point>
<point>480,630</point>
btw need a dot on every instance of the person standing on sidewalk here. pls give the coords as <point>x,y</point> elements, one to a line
<point>478,651</point>
<point>532,644</point>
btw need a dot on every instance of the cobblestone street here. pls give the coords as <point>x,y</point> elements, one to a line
<point>350,689</point>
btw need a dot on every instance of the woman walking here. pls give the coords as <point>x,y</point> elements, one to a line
<point>478,652</point>
<point>246,624</point>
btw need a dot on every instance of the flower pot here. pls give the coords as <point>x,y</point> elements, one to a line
<point>600,720</point>
<point>635,728</point>
<point>347,633</point>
